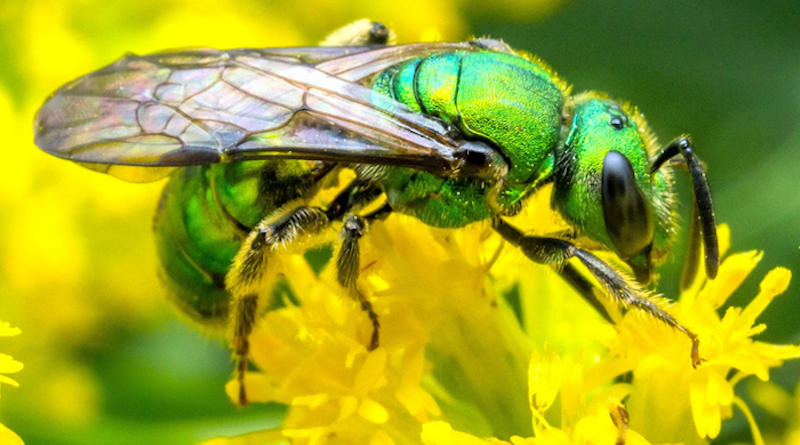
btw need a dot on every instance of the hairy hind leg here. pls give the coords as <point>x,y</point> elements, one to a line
<point>245,278</point>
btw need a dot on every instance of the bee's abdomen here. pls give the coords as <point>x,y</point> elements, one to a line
<point>204,215</point>
<point>196,245</point>
<point>427,85</point>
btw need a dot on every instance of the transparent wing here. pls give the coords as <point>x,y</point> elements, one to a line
<point>206,106</point>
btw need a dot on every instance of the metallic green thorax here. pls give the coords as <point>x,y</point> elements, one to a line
<point>600,125</point>
<point>506,100</point>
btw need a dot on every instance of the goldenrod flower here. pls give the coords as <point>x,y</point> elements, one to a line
<point>8,366</point>
<point>480,346</point>
<point>704,395</point>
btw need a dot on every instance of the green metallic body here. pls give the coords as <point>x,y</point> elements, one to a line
<point>206,211</point>
<point>447,133</point>
<point>510,102</point>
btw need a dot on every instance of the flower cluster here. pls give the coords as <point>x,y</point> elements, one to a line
<point>705,396</point>
<point>479,346</point>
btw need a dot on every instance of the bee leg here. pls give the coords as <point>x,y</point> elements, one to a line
<point>348,264</point>
<point>556,252</point>
<point>245,279</point>
<point>347,268</point>
<point>584,287</point>
<point>359,33</point>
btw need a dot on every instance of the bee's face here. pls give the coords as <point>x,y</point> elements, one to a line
<point>603,184</point>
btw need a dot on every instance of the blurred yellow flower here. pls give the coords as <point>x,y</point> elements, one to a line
<point>782,405</point>
<point>8,366</point>
<point>8,437</point>
<point>779,404</point>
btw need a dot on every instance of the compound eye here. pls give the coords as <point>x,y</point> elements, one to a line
<point>627,215</point>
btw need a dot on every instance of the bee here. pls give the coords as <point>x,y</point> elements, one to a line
<point>448,133</point>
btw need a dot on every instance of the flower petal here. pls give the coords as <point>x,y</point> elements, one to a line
<point>8,365</point>
<point>373,411</point>
<point>774,284</point>
<point>371,373</point>
<point>707,417</point>
<point>733,271</point>
<point>544,379</point>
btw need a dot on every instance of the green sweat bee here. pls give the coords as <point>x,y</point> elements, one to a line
<point>448,133</point>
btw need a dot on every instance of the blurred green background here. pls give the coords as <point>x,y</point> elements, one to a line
<point>108,361</point>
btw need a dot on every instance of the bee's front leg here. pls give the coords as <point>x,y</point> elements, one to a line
<point>583,287</point>
<point>554,251</point>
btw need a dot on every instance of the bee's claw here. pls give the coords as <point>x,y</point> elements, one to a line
<point>374,343</point>
<point>242,394</point>
<point>696,359</point>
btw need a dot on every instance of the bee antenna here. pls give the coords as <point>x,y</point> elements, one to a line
<point>703,211</point>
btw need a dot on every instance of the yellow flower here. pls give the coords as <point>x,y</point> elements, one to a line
<point>8,366</point>
<point>706,394</point>
<point>589,414</point>
<point>462,318</point>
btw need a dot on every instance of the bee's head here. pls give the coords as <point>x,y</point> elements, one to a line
<point>603,186</point>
